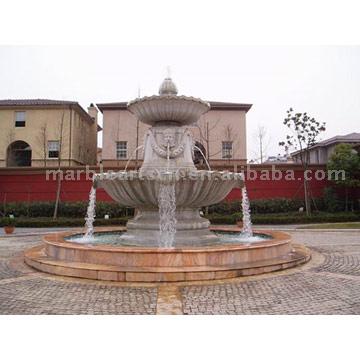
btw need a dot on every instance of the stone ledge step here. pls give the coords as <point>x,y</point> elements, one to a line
<point>37,259</point>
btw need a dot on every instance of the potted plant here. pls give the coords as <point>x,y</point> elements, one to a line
<point>9,224</point>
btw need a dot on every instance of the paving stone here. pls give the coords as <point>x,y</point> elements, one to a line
<point>301,293</point>
<point>44,296</point>
<point>332,287</point>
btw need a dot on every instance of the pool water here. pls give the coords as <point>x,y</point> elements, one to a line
<point>115,238</point>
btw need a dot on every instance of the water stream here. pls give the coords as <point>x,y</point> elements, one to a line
<point>90,216</point>
<point>247,226</point>
<point>202,154</point>
<point>167,208</point>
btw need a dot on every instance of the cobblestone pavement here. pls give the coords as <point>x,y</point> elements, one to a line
<point>330,287</point>
<point>328,284</point>
<point>26,291</point>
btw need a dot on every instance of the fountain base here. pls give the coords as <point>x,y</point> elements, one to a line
<point>144,264</point>
<point>191,229</point>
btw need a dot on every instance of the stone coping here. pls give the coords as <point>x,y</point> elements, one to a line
<point>152,265</point>
<point>57,239</point>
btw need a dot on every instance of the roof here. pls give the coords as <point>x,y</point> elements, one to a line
<point>44,102</point>
<point>34,102</point>
<point>215,105</point>
<point>218,105</point>
<point>338,139</point>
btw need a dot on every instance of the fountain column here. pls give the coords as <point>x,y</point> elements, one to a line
<point>168,190</point>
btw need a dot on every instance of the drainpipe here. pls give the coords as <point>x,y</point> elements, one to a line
<point>70,137</point>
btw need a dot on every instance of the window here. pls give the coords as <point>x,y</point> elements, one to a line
<point>19,118</point>
<point>53,149</point>
<point>121,149</point>
<point>227,149</point>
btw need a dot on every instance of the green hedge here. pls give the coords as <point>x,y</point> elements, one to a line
<point>289,218</point>
<point>66,210</point>
<point>266,206</point>
<point>62,222</point>
<point>330,203</point>
<point>261,219</point>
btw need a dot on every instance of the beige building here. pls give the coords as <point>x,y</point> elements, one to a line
<point>320,153</point>
<point>47,132</point>
<point>220,134</point>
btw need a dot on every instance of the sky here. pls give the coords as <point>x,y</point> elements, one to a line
<point>322,81</point>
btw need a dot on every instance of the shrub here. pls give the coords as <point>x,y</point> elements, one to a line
<point>62,222</point>
<point>8,221</point>
<point>224,219</point>
<point>288,218</point>
<point>66,209</point>
<point>331,201</point>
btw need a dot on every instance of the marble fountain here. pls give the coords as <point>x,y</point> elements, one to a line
<point>168,239</point>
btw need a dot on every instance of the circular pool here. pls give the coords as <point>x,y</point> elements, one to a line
<point>109,259</point>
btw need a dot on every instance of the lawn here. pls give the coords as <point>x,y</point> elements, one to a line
<point>349,225</point>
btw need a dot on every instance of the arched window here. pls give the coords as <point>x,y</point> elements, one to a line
<point>18,154</point>
<point>198,157</point>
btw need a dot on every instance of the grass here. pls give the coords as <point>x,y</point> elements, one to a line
<point>350,225</point>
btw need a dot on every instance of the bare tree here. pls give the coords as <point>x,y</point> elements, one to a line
<point>205,131</point>
<point>59,178</point>
<point>262,143</point>
<point>231,136</point>
<point>9,139</point>
<point>42,140</point>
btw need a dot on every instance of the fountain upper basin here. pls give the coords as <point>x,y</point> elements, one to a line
<point>182,110</point>
<point>194,189</point>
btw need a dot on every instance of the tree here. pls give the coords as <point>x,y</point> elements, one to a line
<point>346,159</point>
<point>231,136</point>
<point>58,187</point>
<point>262,141</point>
<point>204,133</point>
<point>304,132</point>
<point>42,140</point>
<point>9,139</point>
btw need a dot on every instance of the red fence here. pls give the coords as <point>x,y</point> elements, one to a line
<point>31,185</point>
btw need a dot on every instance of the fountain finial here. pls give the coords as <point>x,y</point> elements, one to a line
<point>168,87</point>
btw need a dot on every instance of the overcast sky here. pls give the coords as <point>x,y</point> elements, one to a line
<point>323,81</point>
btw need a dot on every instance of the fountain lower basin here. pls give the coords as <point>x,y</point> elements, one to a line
<point>153,264</point>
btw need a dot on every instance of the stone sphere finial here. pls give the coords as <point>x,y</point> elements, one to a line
<point>168,87</point>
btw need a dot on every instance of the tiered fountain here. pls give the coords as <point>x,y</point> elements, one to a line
<point>167,240</point>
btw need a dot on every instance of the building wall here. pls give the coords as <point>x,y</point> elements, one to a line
<point>76,131</point>
<point>120,125</point>
<point>30,184</point>
<point>223,125</point>
<point>320,155</point>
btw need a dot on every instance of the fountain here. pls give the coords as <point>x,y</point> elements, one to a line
<point>167,240</point>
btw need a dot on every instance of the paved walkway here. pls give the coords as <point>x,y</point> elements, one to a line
<point>328,284</point>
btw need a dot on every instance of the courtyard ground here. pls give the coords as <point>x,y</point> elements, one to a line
<point>328,284</point>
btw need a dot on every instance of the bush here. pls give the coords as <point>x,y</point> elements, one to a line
<point>8,221</point>
<point>332,202</point>
<point>62,222</point>
<point>263,206</point>
<point>289,218</point>
<point>224,219</point>
<point>66,209</point>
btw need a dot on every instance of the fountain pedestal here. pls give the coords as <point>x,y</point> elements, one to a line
<point>191,229</point>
